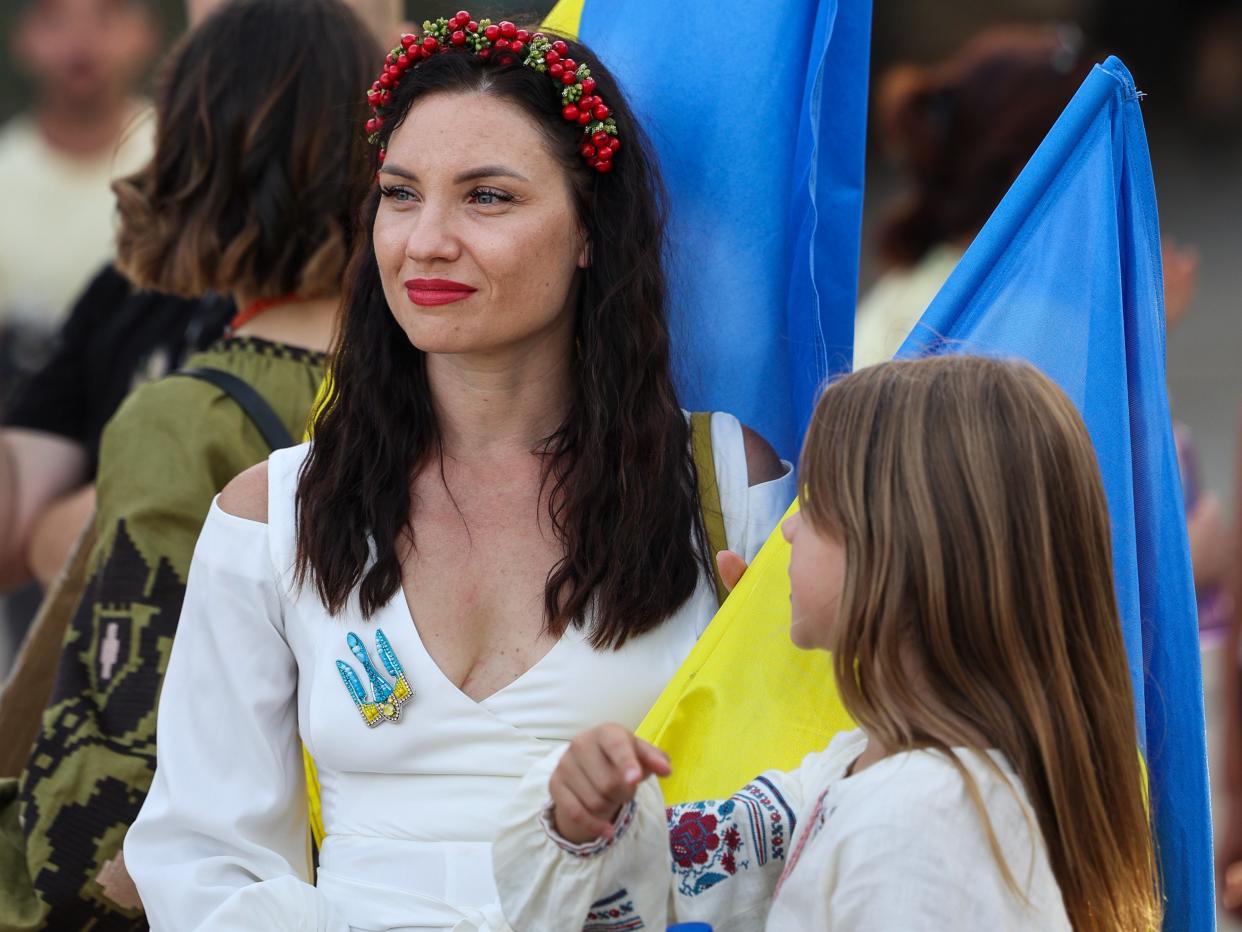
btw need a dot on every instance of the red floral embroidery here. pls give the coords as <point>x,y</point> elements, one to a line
<point>693,837</point>
<point>714,840</point>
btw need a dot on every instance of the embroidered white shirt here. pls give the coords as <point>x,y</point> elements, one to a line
<point>897,846</point>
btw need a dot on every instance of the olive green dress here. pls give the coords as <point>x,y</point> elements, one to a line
<point>171,447</point>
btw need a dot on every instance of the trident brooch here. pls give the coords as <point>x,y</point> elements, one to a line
<point>388,698</point>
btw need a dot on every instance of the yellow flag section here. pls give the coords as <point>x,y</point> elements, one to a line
<point>745,700</point>
<point>565,18</point>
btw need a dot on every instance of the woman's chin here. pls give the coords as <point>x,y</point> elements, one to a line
<point>441,337</point>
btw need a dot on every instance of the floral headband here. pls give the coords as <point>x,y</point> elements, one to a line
<point>503,44</point>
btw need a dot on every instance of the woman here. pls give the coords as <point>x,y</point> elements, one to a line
<point>253,193</point>
<point>494,540</point>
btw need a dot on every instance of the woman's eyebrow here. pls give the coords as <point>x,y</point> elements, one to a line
<point>489,171</point>
<point>390,169</point>
<point>473,174</point>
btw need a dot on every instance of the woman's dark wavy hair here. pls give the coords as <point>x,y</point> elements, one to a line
<point>259,164</point>
<point>623,497</point>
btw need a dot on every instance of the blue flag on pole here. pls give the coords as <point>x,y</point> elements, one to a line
<point>758,115</point>
<point>1066,274</point>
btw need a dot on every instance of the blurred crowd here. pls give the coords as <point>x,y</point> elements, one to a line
<point>78,334</point>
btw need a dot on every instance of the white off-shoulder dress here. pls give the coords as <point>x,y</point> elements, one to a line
<point>410,806</point>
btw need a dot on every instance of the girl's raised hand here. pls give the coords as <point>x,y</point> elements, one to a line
<point>598,775</point>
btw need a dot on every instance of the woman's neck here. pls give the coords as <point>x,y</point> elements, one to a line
<point>487,406</point>
<point>305,324</point>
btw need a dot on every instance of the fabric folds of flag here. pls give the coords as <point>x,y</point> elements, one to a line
<point>758,115</point>
<point>1066,274</point>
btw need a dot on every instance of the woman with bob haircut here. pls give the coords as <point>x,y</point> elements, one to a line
<point>495,539</point>
<point>253,192</point>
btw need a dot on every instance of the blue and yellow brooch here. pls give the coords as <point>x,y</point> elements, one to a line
<point>388,698</point>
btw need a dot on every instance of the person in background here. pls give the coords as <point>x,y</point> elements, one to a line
<point>960,132</point>
<point>85,59</point>
<point>254,195</point>
<point>116,338</point>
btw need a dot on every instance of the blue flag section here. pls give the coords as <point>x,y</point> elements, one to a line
<point>758,115</point>
<point>1066,274</point>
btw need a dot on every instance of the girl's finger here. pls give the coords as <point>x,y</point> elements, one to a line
<point>582,783</point>
<point>618,746</point>
<point>653,759</point>
<point>609,765</point>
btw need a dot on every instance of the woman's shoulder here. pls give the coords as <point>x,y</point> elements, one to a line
<point>755,485</point>
<point>246,495</point>
<point>266,494</point>
<point>762,463</point>
<point>742,449</point>
<point>253,493</point>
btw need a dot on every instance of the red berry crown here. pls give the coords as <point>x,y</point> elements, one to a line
<point>504,44</point>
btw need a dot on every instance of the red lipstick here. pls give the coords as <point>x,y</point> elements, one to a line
<point>432,292</point>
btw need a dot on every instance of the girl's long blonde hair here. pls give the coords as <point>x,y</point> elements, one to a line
<point>969,503</point>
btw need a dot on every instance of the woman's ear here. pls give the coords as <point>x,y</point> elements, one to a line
<point>584,255</point>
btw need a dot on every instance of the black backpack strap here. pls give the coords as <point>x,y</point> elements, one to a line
<point>250,401</point>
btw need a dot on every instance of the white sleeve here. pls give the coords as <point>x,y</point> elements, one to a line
<point>716,861</point>
<point>222,840</point>
<point>546,884</point>
<point>751,512</point>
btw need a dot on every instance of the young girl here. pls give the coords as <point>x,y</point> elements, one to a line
<point>953,554</point>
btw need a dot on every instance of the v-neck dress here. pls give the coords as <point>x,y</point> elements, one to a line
<point>411,805</point>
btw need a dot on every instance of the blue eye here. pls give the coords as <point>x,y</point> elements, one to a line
<point>489,197</point>
<point>400,195</point>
